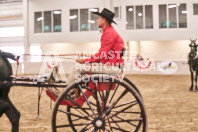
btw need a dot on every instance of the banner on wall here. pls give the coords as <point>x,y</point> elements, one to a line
<point>166,67</point>
<point>143,66</point>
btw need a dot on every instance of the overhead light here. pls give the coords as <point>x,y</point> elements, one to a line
<point>184,12</point>
<point>139,14</point>
<point>172,6</point>
<point>130,9</point>
<point>39,19</point>
<point>91,21</point>
<point>57,12</point>
<point>73,17</point>
<point>178,4</point>
<point>93,10</point>
<point>126,22</point>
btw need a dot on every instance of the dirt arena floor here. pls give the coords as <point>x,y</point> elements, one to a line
<point>169,105</point>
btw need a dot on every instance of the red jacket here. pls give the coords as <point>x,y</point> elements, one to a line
<point>110,50</point>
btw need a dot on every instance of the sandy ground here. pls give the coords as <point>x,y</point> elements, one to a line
<point>169,105</point>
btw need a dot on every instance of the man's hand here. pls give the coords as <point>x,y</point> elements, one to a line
<point>81,61</point>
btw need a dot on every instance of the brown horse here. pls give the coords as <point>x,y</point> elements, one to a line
<point>6,105</point>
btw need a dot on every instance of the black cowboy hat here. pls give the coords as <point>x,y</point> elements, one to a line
<point>107,14</point>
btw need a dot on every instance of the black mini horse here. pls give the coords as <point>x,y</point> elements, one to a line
<point>192,63</point>
<point>6,105</point>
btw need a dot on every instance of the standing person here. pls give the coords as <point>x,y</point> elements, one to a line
<point>110,52</point>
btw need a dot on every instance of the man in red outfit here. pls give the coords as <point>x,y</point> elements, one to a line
<point>111,42</point>
<point>110,52</point>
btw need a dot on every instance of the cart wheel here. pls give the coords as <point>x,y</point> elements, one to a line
<point>116,108</point>
<point>132,85</point>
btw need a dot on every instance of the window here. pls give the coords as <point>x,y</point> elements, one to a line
<point>47,24</point>
<point>195,8</point>
<point>182,16</point>
<point>38,22</point>
<point>84,25</point>
<point>86,21</point>
<point>117,12</point>
<point>173,16</point>
<point>162,16</point>
<point>148,16</point>
<point>73,20</point>
<point>47,21</point>
<point>92,21</point>
<point>57,20</point>
<point>139,17</point>
<point>130,17</point>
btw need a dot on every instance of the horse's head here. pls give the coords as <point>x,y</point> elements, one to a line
<point>5,67</point>
<point>193,43</point>
<point>193,48</point>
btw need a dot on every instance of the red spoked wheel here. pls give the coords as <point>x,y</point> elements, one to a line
<point>104,106</point>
